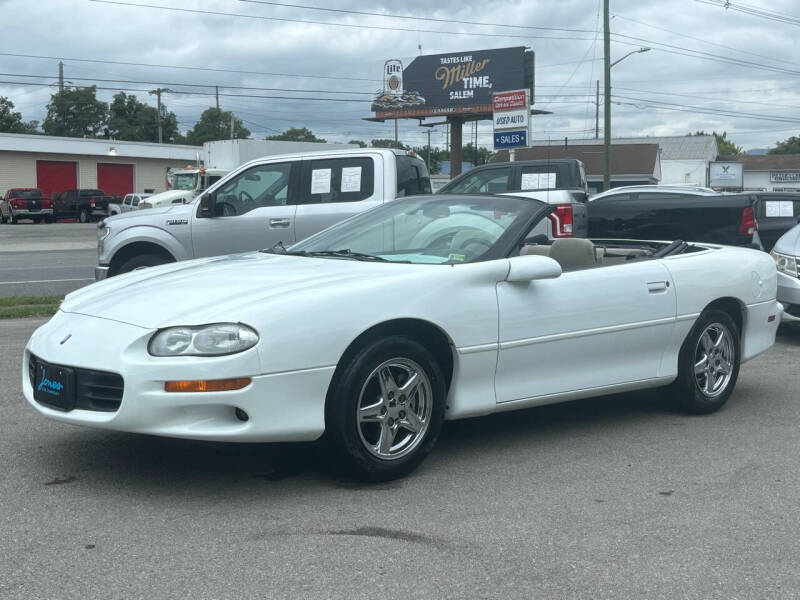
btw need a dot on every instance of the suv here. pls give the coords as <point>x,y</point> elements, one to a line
<point>84,205</point>
<point>561,182</point>
<point>26,203</point>
<point>272,200</point>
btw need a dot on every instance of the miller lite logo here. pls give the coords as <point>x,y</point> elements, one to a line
<point>393,77</point>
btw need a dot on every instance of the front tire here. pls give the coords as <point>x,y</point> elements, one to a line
<point>142,261</point>
<point>385,411</point>
<point>708,364</point>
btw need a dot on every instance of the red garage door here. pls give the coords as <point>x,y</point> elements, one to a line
<point>115,179</point>
<point>56,176</point>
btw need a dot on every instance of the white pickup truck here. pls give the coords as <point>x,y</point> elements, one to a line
<point>274,199</point>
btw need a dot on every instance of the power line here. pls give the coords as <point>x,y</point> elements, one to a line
<point>185,67</point>
<point>416,18</point>
<point>755,11</point>
<point>330,23</point>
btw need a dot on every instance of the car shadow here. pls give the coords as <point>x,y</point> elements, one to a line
<point>151,465</point>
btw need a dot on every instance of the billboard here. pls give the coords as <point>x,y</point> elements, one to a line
<point>725,174</point>
<point>454,83</point>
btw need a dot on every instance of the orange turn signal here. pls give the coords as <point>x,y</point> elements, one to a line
<point>207,385</point>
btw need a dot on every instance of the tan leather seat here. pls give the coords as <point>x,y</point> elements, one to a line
<point>573,253</point>
<point>535,249</point>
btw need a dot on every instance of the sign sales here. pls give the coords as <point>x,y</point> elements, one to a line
<point>511,116</point>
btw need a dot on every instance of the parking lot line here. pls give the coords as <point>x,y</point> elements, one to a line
<point>45,281</point>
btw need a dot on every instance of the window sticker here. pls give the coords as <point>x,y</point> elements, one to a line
<point>773,209</point>
<point>351,179</point>
<point>321,181</point>
<point>786,208</point>
<point>538,181</point>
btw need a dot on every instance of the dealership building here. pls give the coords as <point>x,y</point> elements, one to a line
<point>55,164</point>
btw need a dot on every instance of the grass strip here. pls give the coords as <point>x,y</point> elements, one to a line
<point>19,312</point>
<point>30,300</point>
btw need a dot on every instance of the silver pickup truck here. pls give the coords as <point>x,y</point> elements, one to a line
<point>274,199</point>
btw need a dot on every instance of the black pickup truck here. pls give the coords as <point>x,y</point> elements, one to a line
<point>84,205</point>
<point>729,219</point>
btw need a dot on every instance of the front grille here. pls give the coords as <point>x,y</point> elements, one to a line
<point>94,390</point>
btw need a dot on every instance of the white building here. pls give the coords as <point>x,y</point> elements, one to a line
<point>770,172</point>
<point>684,158</point>
<point>55,164</point>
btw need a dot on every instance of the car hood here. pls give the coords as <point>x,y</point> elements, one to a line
<point>224,288</point>
<point>787,243</point>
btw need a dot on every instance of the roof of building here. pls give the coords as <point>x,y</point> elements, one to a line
<point>626,159</point>
<point>46,144</point>
<point>766,162</point>
<point>676,147</point>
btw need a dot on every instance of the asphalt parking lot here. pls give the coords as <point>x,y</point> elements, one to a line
<point>618,497</point>
<point>46,260</point>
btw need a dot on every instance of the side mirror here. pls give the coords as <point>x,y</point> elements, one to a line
<point>207,202</point>
<point>532,267</point>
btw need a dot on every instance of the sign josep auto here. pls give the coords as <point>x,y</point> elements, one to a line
<point>454,83</point>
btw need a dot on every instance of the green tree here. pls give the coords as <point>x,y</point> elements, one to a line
<point>725,147</point>
<point>297,134</point>
<point>359,143</point>
<point>11,121</point>
<point>477,156</point>
<point>384,143</point>
<point>130,119</point>
<point>215,124</point>
<point>435,160</point>
<point>75,112</point>
<point>787,146</point>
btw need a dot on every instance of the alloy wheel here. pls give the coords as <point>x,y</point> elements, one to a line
<point>714,360</point>
<point>394,409</point>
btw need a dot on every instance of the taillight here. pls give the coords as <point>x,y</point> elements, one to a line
<point>19,203</point>
<point>748,225</point>
<point>91,202</point>
<point>562,221</point>
<point>47,203</point>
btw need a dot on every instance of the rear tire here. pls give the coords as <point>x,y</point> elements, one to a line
<point>50,219</point>
<point>378,427</point>
<point>83,216</point>
<point>3,218</point>
<point>708,364</point>
<point>13,220</point>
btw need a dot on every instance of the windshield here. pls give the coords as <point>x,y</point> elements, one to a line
<point>425,229</point>
<point>184,181</point>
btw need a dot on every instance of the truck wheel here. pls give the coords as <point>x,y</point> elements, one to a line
<point>142,262</point>
<point>83,216</point>
<point>13,220</point>
<point>49,219</point>
<point>3,218</point>
<point>708,364</point>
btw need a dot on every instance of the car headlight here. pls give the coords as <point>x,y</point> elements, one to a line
<point>785,263</point>
<point>216,339</point>
<point>102,231</point>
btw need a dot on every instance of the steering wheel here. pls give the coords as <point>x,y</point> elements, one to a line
<point>245,198</point>
<point>228,209</point>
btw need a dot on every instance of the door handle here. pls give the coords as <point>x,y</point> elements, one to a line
<point>279,222</point>
<point>654,287</point>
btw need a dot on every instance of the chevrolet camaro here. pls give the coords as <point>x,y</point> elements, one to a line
<point>370,333</point>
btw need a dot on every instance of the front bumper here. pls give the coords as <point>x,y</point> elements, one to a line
<point>101,272</point>
<point>282,407</point>
<point>789,296</point>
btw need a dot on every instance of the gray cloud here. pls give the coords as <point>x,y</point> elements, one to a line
<point>566,68</point>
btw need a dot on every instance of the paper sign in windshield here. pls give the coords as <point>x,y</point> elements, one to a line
<point>538,181</point>
<point>321,181</point>
<point>351,179</point>
<point>784,208</point>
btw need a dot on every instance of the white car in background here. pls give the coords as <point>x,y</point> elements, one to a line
<point>373,331</point>
<point>129,202</point>
<point>167,198</point>
<point>786,253</point>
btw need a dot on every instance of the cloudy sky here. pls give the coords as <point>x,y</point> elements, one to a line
<point>709,68</point>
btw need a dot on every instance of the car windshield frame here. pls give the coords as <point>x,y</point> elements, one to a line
<point>523,212</point>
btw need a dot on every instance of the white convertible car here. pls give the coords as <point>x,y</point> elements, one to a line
<point>374,331</point>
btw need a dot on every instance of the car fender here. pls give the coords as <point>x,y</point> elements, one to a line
<point>177,242</point>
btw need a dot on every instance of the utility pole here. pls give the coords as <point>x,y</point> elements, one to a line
<point>429,150</point>
<point>157,93</point>
<point>396,144</point>
<point>597,112</point>
<point>216,95</point>
<point>607,98</point>
<point>231,124</point>
<point>60,76</point>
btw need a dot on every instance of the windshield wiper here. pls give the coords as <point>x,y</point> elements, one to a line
<point>345,253</point>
